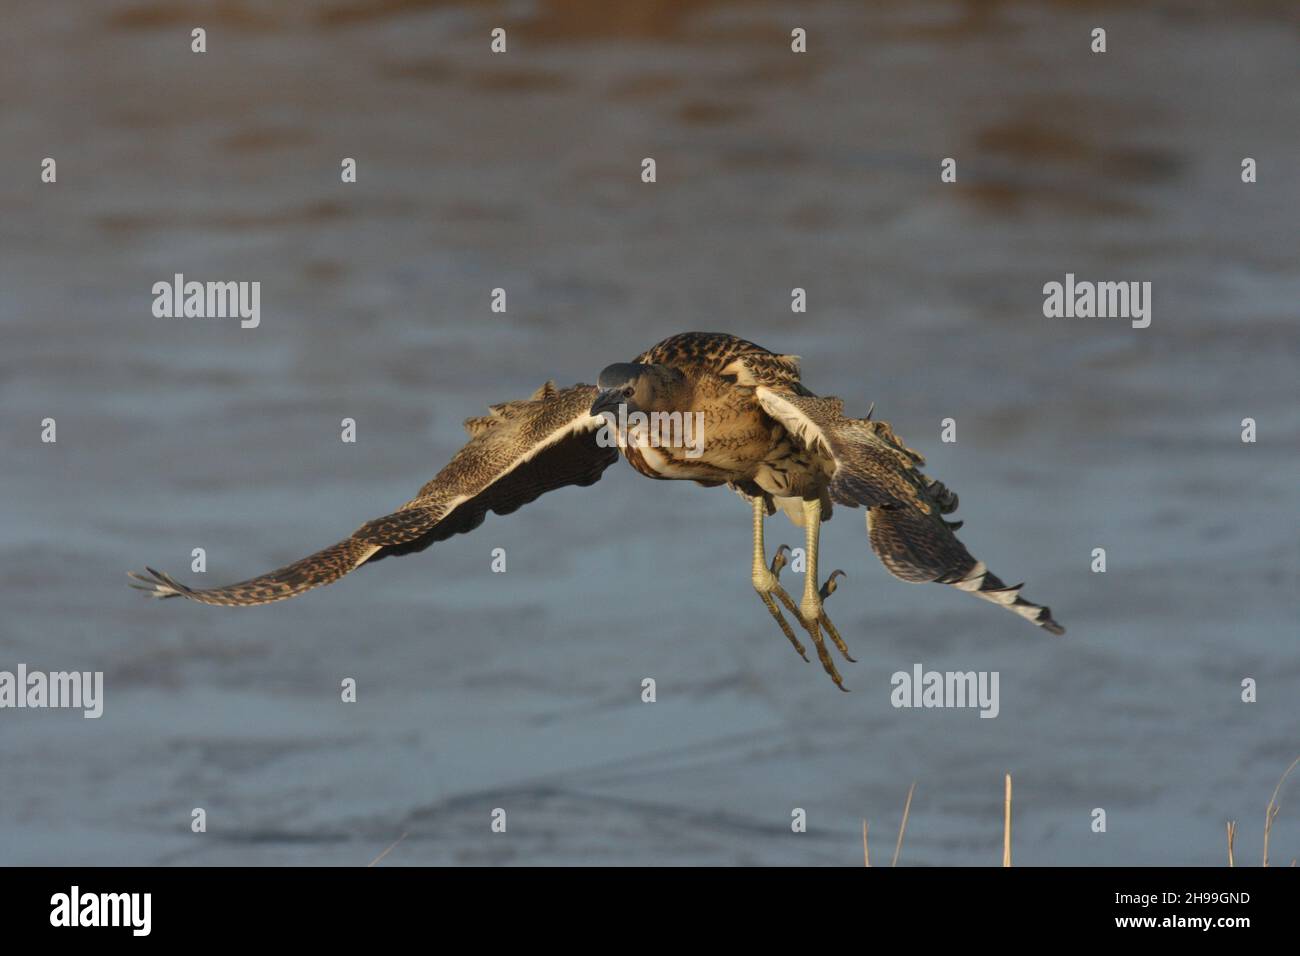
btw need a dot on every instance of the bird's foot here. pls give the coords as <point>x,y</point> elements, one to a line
<point>812,615</point>
<point>767,582</point>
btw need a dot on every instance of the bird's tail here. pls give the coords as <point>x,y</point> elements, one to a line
<point>983,583</point>
<point>919,547</point>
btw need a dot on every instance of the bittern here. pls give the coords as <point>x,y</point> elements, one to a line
<point>757,429</point>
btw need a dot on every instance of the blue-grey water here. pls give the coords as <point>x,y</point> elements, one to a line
<point>522,690</point>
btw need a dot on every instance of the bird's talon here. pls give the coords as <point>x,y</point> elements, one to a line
<point>828,588</point>
<point>834,635</point>
<point>839,641</point>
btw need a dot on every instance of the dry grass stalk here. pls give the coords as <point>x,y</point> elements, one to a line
<point>902,827</point>
<point>1006,824</point>
<point>386,852</point>
<point>1273,807</point>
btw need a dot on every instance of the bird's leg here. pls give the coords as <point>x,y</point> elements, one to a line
<point>767,580</point>
<point>811,613</point>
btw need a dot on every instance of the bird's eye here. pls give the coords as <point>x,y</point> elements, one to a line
<point>627,391</point>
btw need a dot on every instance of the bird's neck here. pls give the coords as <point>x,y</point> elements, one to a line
<point>672,390</point>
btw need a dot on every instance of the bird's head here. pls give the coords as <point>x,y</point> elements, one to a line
<point>626,383</point>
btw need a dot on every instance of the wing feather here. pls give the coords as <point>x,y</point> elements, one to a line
<point>867,463</point>
<point>520,451</point>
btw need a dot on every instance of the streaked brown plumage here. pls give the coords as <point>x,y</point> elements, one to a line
<point>765,435</point>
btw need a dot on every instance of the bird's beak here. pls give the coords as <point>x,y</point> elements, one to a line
<point>608,400</point>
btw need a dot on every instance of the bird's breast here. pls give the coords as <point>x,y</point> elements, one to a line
<point>638,461</point>
<point>715,438</point>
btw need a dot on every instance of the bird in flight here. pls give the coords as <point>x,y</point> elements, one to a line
<point>735,414</point>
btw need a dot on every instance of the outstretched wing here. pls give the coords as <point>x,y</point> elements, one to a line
<point>516,454</point>
<point>867,464</point>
